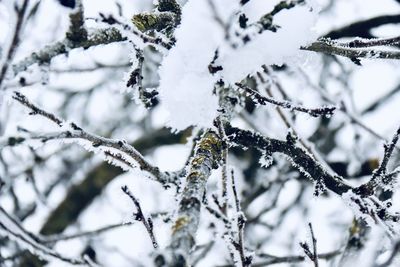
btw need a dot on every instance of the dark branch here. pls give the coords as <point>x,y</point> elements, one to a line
<point>263,100</point>
<point>139,216</point>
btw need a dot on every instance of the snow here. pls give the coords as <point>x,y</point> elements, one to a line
<point>271,48</point>
<point>186,85</point>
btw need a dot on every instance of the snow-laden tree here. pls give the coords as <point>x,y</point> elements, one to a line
<point>199,133</point>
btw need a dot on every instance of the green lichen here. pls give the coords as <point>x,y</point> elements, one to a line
<point>213,144</point>
<point>164,22</point>
<point>180,223</point>
<point>103,37</point>
<point>197,161</point>
<point>145,21</point>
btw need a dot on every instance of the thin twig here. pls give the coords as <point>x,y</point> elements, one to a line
<point>353,53</point>
<point>379,175</point>
<point>291,259</point>
<point>289,123</point>
<point>312,255</point>
<point>76,132</point>
<point>241,221</point>
<point>20,12</point>
<point>344,111</point>
<point>315,112</point>
<point>224,163</point>
<point>314,242</point>
<point>362,43</point>
<point>9,226</point>
<point>139,216</point>
<point>56,238</point>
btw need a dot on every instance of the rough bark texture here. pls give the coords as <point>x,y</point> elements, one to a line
<point>207,157</point>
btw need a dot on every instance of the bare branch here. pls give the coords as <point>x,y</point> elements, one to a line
<point>241,221</point>
<point>332,48</point>
<point>20,13</point>
<point>12,228</point>
<point>75,132</point>
<point>315,112</point>
<point>292,259</point>
<point>56,238</point>
<point>139,216</point>
<point>379,175</point>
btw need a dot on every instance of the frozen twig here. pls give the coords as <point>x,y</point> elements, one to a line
<point>380,174</point>
<point>20,12</point>
<point>224,163</point>
<point>312,169</point>
<point>360,43</point>
<point>241,221</point>
<point>98,37</point>
<point>271,259</point>
<point>75,132</point>
<point>13,229</point>
<point>301,159</point>
<point>287,121</point>
<point>56,238</point>
<point>389,148</point>
<point>148,97</point>
<point>139,216</point>
<point>263,100</point>
<point>312,255</point>
<point>265,23</point>
<point>332,48</point>
<point>113,34</point>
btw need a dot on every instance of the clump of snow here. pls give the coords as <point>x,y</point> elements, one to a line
<point>186,84</point>
<point>271,47</point>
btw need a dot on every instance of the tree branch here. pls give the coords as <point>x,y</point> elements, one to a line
<point>262,100</point>
<point>139,216</point>
<point>332,48</point>
<point>75,132</point>
<point>207,157</point>
<point>20,12</point>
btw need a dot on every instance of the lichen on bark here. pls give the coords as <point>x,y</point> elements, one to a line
<point>207,156</point>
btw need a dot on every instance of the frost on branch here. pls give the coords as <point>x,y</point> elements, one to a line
<point>12,229</point>
<point>216,65</point>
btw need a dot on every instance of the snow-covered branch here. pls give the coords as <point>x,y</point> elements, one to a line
<point>263,100</point>
<point>11,228</point>
<point>332,48</point>
<point>73,131</point>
